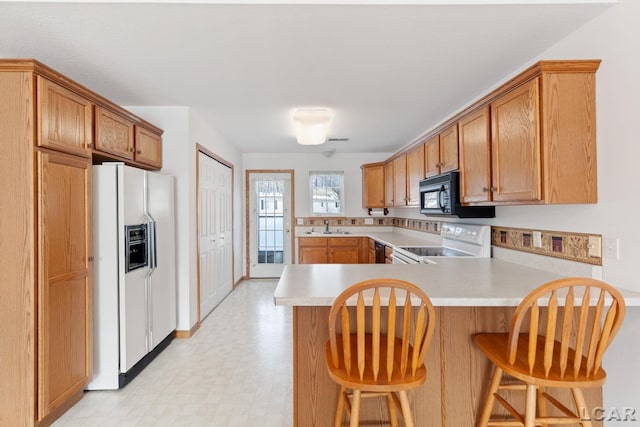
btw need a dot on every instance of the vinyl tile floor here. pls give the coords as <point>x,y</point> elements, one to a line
<point>236,370</point>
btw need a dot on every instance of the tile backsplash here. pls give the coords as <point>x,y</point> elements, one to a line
<point>571,246</point>
<point>580,247</point>
<point>410,224</point>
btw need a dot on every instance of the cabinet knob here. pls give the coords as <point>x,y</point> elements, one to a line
<point>494,189</point>
<point>132,149</point>
<point>485,189</point>
<point>89,145</point>
<point>90,259</point>
<point>139,151</point>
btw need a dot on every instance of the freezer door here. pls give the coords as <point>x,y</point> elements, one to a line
<point>132,291</point>
<point>162,282</point>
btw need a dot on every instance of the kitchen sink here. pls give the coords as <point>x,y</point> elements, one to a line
<point>320,233</point>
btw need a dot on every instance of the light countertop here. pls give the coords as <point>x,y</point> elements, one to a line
<point>451,282</point>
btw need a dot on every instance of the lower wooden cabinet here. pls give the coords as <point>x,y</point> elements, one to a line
<point>64,292</point>
<point>371,251</point>
<point>331,250</point>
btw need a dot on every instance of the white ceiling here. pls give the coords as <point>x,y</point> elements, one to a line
<point>388,72</point>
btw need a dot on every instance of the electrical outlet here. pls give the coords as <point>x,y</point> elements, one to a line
<point>299,221</point>
<point>611,247</point>
<point>537,239</point>
<point>595,246</point>
<point>368,221</point>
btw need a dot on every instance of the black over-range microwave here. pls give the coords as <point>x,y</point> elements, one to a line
<point>440,195</point>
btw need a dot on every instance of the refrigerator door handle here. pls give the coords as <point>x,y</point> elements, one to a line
<point>154,247</point>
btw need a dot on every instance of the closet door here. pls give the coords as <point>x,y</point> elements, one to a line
<point>65,272</point>
<point>215,223</point>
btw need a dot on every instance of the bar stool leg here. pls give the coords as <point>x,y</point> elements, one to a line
<point>340,408</point>
<point>490,400</point>
<point>406,409</point>
<point>355,409</point>
<point>393,414</point>
<point>583,410</point>
<point>530,407</point>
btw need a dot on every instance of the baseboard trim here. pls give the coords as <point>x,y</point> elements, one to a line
<point>187,334</point>
<point>240,280</point>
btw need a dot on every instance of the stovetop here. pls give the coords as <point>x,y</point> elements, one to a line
<point>434,251</point>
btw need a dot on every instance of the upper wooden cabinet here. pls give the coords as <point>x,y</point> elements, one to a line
<point>542,139</point>
<point>388,184</point>
<point>373,185</point>
<point>400,180</point>
<point>441,152</point>
<point>475,157</point>
<point>148,147</point>
<point>114,134</point>
<point>432,156</point>
<point>415,173</point>
<point>515,145</point>
<point>64,119</point>
<point>530,141</point>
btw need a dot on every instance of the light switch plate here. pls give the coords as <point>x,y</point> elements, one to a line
<point>611,247</point>
<point>299,221</point>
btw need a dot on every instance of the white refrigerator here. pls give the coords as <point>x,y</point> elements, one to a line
<point>134,271</point>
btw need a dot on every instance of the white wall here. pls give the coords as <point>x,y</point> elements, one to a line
<point>349,163</point>
<point>183,129</point>
<point>614,37</point>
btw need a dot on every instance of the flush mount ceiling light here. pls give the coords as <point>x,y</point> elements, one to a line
<point>312,125</point>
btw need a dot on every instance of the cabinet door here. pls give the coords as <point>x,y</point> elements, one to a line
<point>65,120</point>
<point>65,272</point>
<point>114,134</point>
<point>313,250</point>
<point>400,180</point>
<point>415,172</point>
<point>449,149</point>
<point>475,157</point>
<point>432,157</point>
<point>388,185</point>
<point>515,145</point>
<point>344,250</point>
<point>148,148</point>
<point>373,186</point>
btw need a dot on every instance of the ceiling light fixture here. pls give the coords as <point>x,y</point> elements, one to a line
<point>312,125</point>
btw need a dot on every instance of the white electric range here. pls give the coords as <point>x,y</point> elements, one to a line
<point>458,240</point>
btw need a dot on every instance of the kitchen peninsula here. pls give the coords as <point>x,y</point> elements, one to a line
<point>470,296</point>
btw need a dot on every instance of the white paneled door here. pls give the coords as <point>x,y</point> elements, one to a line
<point>215,232</point>
<point>269,223</point>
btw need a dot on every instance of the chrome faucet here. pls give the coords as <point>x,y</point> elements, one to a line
<point>326,226</point>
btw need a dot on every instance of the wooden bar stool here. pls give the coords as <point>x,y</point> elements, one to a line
<point>560,350</point>
<point>373,361</point>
